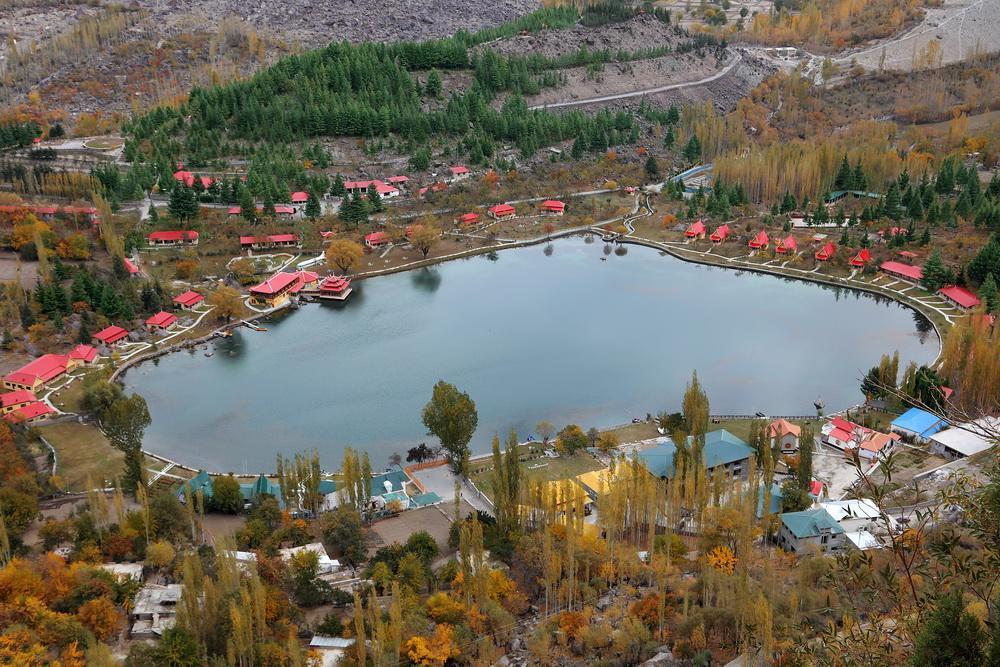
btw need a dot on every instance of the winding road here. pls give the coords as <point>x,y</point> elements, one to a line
<point>645,91</point>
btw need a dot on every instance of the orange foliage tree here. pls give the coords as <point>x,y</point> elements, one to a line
<point>433,651</point>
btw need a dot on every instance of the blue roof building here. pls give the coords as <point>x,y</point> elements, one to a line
<point>918,424</point>
<point>722,450</point>
<point>397,478</point>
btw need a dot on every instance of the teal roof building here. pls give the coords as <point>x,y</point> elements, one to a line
<point>722,448</point>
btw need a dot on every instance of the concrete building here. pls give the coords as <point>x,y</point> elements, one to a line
<point>965,439</point>
<point>154,610</point>
<point>810,529</point>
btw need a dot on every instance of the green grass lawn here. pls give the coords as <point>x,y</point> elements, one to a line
<point>83,453</point>
<point>634,432</point>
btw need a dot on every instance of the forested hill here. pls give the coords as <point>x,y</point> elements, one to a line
<point>374,90</point>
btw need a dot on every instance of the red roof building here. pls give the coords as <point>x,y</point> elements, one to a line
<point>12,400</point>
<point>904,271</point>
<point>696,231</point>
<point>335,287</point>
<point>270,241</point>
<point>398,180</point>
<point>787,246</point>
<point>284,210</point>
<point>162,320</point>
<point>826,252</point>
<point>29,413</point>
<point>185,177</point>
<point>502,211</point>
<point>553,207</point>
<point>37,373</point>
<point>907,254</point>
<point>130,266</point>
<point>377,239</point>
<point>433,187</point>
<point>235,210</point>
<point>111,336</point>
<point>84,353</point>
<point>459,171</point>
<point>759,241</point>
<point>188,300</point>
<point>862,258</point>
<point>300,197</point>
<point>275,290</point>
<point>308,278</point>
<point>720,234</point>
<point>175,237</point>
<point>959,296</point>
<point>468,218</point>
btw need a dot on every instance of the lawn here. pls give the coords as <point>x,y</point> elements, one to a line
<point>563,467</point>
<point>83,453</point>
<point>627,433</point>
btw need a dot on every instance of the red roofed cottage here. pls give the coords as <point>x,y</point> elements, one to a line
<point>172,238</point>
<point>162,321</point>
<point>111,336</point>
<point>959,296</point>
<point>553,207</point>
<point>501,211</point>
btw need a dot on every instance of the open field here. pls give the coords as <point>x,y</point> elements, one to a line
<point>84,453</point>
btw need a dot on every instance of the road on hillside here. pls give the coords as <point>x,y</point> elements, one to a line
<point>646,91</point>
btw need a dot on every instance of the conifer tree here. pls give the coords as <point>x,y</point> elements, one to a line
<point>313,208</point>
<point>988,294</point>
<point>844,178</point>
<point>692,151</point>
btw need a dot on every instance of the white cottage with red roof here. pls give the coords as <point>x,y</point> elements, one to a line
<point>111,336</point>
<point>162,321</point>
<point>553,207</point>
<point>502,212</point>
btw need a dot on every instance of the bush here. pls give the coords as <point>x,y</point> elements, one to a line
<point>331,624</point>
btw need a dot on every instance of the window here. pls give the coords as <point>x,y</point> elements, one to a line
<point>825,539</point>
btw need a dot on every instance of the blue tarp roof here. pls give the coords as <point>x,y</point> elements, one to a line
<point>921,422</point>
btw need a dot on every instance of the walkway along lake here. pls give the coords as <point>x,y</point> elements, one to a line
<point>569,332</point>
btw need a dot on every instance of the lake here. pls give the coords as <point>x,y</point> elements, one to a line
<point>569,333</point>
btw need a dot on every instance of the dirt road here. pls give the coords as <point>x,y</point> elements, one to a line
<point>646,91</point>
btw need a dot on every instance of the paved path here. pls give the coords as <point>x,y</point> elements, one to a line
<point>646,91</point>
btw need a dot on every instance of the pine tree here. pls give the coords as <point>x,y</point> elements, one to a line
<point>916,208</point>
<point>950,636</point>
<point>668,138</point>
<point>652,169</point>
<point>692,151</point>
<point>988,294</point>
<point>935,273</point>
<point>338,189</point>
<point>433,86</point>
<point>859,180</point>
<point>844,179</point>
<point>890,204</point>
<point>313,208</point>
<point>673,115</point>
<point>925,239</point>
<point>248,210</point>
<point>154,216</point>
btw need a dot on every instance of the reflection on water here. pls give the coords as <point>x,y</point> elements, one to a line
<point>549,249</point>
<point>427,279</point>
<point>531,338</point>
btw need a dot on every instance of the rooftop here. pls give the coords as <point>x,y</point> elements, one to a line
<point>920,422</point>
<point>967,439</point>
<point>811,523</point>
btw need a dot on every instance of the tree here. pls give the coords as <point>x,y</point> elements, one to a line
<point>124,424</point>
<point>695,407</point>
<point>434,651</point>
<point>891,202</point>
<point>806,444</point>
<point>226,495</point>
<point>652,168</point>
<point>433,86</point>
<point>313,209</point>
<point>505,483</point>
<point>843,179</point>
<point>182,205</point>
<point>424,238</point>
<point>228,303</point>
<point>342,532</point>
<point>571,438</point>
<point>338,189</point>
<point>179,648</point>
<point>160,554</point>
<point>988,294</point>
<point>451,416</point>
<point>935,274</point>
<point>692,151</point>
<point>343,254</point>
<point>545,430</point>
<point>248,209</point>
<point>100,616</point>
<point>950,637</point>
<point>794,498</point>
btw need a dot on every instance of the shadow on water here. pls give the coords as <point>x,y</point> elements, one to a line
<point>549,249</point>
<point>426,279</point>
<point>924,326</point>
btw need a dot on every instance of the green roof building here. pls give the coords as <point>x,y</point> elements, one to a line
<point>810,529</point>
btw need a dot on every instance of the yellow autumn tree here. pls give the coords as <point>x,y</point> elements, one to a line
<point>433,651</point>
